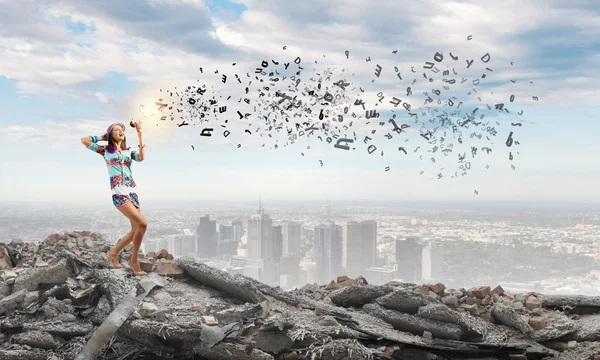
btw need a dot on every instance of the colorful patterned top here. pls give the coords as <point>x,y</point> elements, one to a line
<point>119,169</point>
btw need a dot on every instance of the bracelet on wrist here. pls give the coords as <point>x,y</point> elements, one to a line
<point>94,138</point>
<point>141,147</point>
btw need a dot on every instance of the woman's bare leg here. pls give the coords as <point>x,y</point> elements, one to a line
<point>140,224</point>
<point>123,242</point>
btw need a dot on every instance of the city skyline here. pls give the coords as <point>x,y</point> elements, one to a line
<point>95,67</point>
<point>523,246</point>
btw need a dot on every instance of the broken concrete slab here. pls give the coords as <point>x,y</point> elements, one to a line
<point>53,308</point>
<point>357,295</point>
<point>506,315</point>
<point>210,335</point>
<point>474,328</point>
<point>234,286</point>
<point>148,332</point>
<point>405,301</point>
<point>415,325</point>
<point>30,298</point>
<point>238,313</point>
<point>23,354</point>
<point>37,339</point>
<point>12,302</point>
<point>33,278</point>
<point>62,329</point>
<point>273,342</point>
<point>100,312</point>
<point>588,328</point>
<point>114,321</point>
<point>227,351</point>
<point>340,349</point>
<point>575,304</point>
<point>147,308</point>
<point>4,289</point>
<point>557,326</point>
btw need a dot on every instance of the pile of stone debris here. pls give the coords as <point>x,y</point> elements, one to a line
<point>60,299</point>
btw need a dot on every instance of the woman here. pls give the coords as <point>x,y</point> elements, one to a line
<point>118,158</point>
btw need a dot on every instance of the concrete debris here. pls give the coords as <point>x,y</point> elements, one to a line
<point>114,321</point>
<point>506,315</point>
<point>37,339</point>
<point>12,302</point>
<point>358,295</point>
<point>61,299</point>
<point>405,301</point>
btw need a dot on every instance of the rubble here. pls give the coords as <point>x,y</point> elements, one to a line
<point>60,299</point>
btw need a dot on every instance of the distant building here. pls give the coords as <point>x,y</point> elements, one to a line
<point>207,238</point>
<point>380,275</point>
<point>308,272</point>
<point>432,259</point>
<point>225,232</point>
<point>183,245</point>
<point>277,242</point>
<point>238,229</point>
<point>227,247</point>
<point>254,268</point>
<point>260,239</point>
<point>262,263</point>
<point>290,268</point>
<point>239,261</point>
<point>292,238</point>
<point>155,245</point>
<point>409,259</point>
<point>327,251</point>
<point>359,246</point>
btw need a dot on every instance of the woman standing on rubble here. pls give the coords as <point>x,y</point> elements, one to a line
<point>118,158</point>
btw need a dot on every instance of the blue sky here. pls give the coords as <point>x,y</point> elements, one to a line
<point>71,68</point>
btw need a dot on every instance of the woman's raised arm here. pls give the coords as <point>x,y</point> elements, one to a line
<point>86,141</point>
<point>90,143</point>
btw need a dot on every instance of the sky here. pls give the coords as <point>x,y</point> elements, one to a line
<point>68,69</point>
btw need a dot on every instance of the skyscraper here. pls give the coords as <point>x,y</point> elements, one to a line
<point>292,238</point>
<point>409,255</point>
<point>277,242</point>
<point>260,239</point>
<point>225,232</point>
<point>184,245</point>
<point>238,229</point>
<point>260,248</point>
<point>359,246</point>
<point>432,261</point>
<point>327,251</point>
<point>207,237</point>
<point>289,268</point>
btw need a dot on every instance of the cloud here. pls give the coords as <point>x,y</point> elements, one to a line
<point>59,134</point>
<point>156,42</point>
<point>103,98</point>
<point>171,24</point>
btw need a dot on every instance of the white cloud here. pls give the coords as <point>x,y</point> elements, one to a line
<point>416,32</point>
<point>103,98</point>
